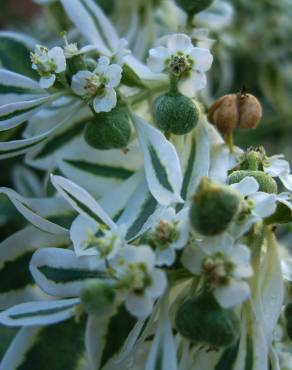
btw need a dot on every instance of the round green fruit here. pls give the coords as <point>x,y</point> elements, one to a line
<point>175,113</point>
<point>213,208</point>
<point>110,130</point>
<point>203,321</point>
<point>194,6</point>
<point>265,181</point>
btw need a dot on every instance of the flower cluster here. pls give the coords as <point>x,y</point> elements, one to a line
<point>153,244</point>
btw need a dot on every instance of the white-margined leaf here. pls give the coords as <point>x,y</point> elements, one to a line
<point>93,24</point>
<point>15,52</point>
<point>39,313</point>
<point>13,114</point>
<point>17,147</point>
<point>16,87</point>
<point>139,211</point>
<point>81,200</point>
<point>59,346</point>
<point>201,158</point>
<point>100,172</point>
<point>59,272</point>
<point>26,208</point>
<point>162,166</point>
<point>26,182</point>
<point>16,282</point>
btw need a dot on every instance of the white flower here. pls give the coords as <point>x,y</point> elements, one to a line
<point>224,271</point>
<point>169,233</point>
<point>72,50</point>
<point>138,277</point>
<point>48,63</point>
<point>181,58</point>
<point>260,204</point>
<point>276,166</point>
<point>99,84</point>
<point>90,238</point>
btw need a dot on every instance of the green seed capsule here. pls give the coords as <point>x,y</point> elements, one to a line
<point>97,298</point>
<point>110,130</point>
<point>213,208</point>
<point>203,321</point>
<point>265,181</point>
<point>175,113</point>
<point>194,6</point>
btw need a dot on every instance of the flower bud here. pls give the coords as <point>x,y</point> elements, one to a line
<point>97,298</point>
<point>265,181</point>
<point>203,321</point>
<point>110,130</point>
<point>175,113</point>
<point>194,6</point>
<point>213,208</point>
<point>235,111</point>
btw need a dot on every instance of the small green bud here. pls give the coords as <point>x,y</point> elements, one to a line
<point>97,298</point>
<point>110,130</point>
<point>175,113</point>
<point>203,321</point>
<point>213,208</point>
<point>194,6</point>
<point>265,181</point>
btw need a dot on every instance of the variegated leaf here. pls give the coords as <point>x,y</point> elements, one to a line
<point>39,313</point>
<point>162,166</point>
<point>59,272</point>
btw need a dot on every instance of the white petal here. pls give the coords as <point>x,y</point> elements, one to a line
<point>265,204</point>
<point>222,243</point>
<point>143,253</point>
<point>179,42</point>
<point>286,179</point>
<point>203,59</point>
<point>159,283</point>
<point>192,259</point>
<point>246,186</point>
<point>165,257</point>
<point>235,293</point>
<point>79,230</point>
<point>58,56</point>
<point>79,82</point>
<point>139,305</point>
<point>106,102</point>
<point>193,83</point>
<point>277,166</point>
<point>114,75</point>
<point>183,227</point>
<point>157,58</point>
<point>240,255</point>
<point>102,64</point>
<point>47,82</point>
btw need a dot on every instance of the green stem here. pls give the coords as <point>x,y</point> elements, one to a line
<point>229,141</point>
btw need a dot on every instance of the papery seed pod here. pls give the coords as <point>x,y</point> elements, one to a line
<point>265,181</point>
<point>235,111</point>
<point>203,321</point>
<point>194,6</point>
<point>110,130</point>
<point>213,208</point>
<point>97,298</point>
<point>175,113</point>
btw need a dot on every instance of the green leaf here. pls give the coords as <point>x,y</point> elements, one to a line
<point>15,51</point>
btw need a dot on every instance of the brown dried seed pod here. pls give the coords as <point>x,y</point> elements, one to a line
<point>235,110</point>
<point>250,111</point>
<point>224,113</point>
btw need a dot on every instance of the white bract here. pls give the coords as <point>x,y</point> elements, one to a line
<point>224,270</point>
<point>48,63</point>
<point>181,58</point>
<point>277,166</point>
<point>99,84</point>
<point>142,282</point>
